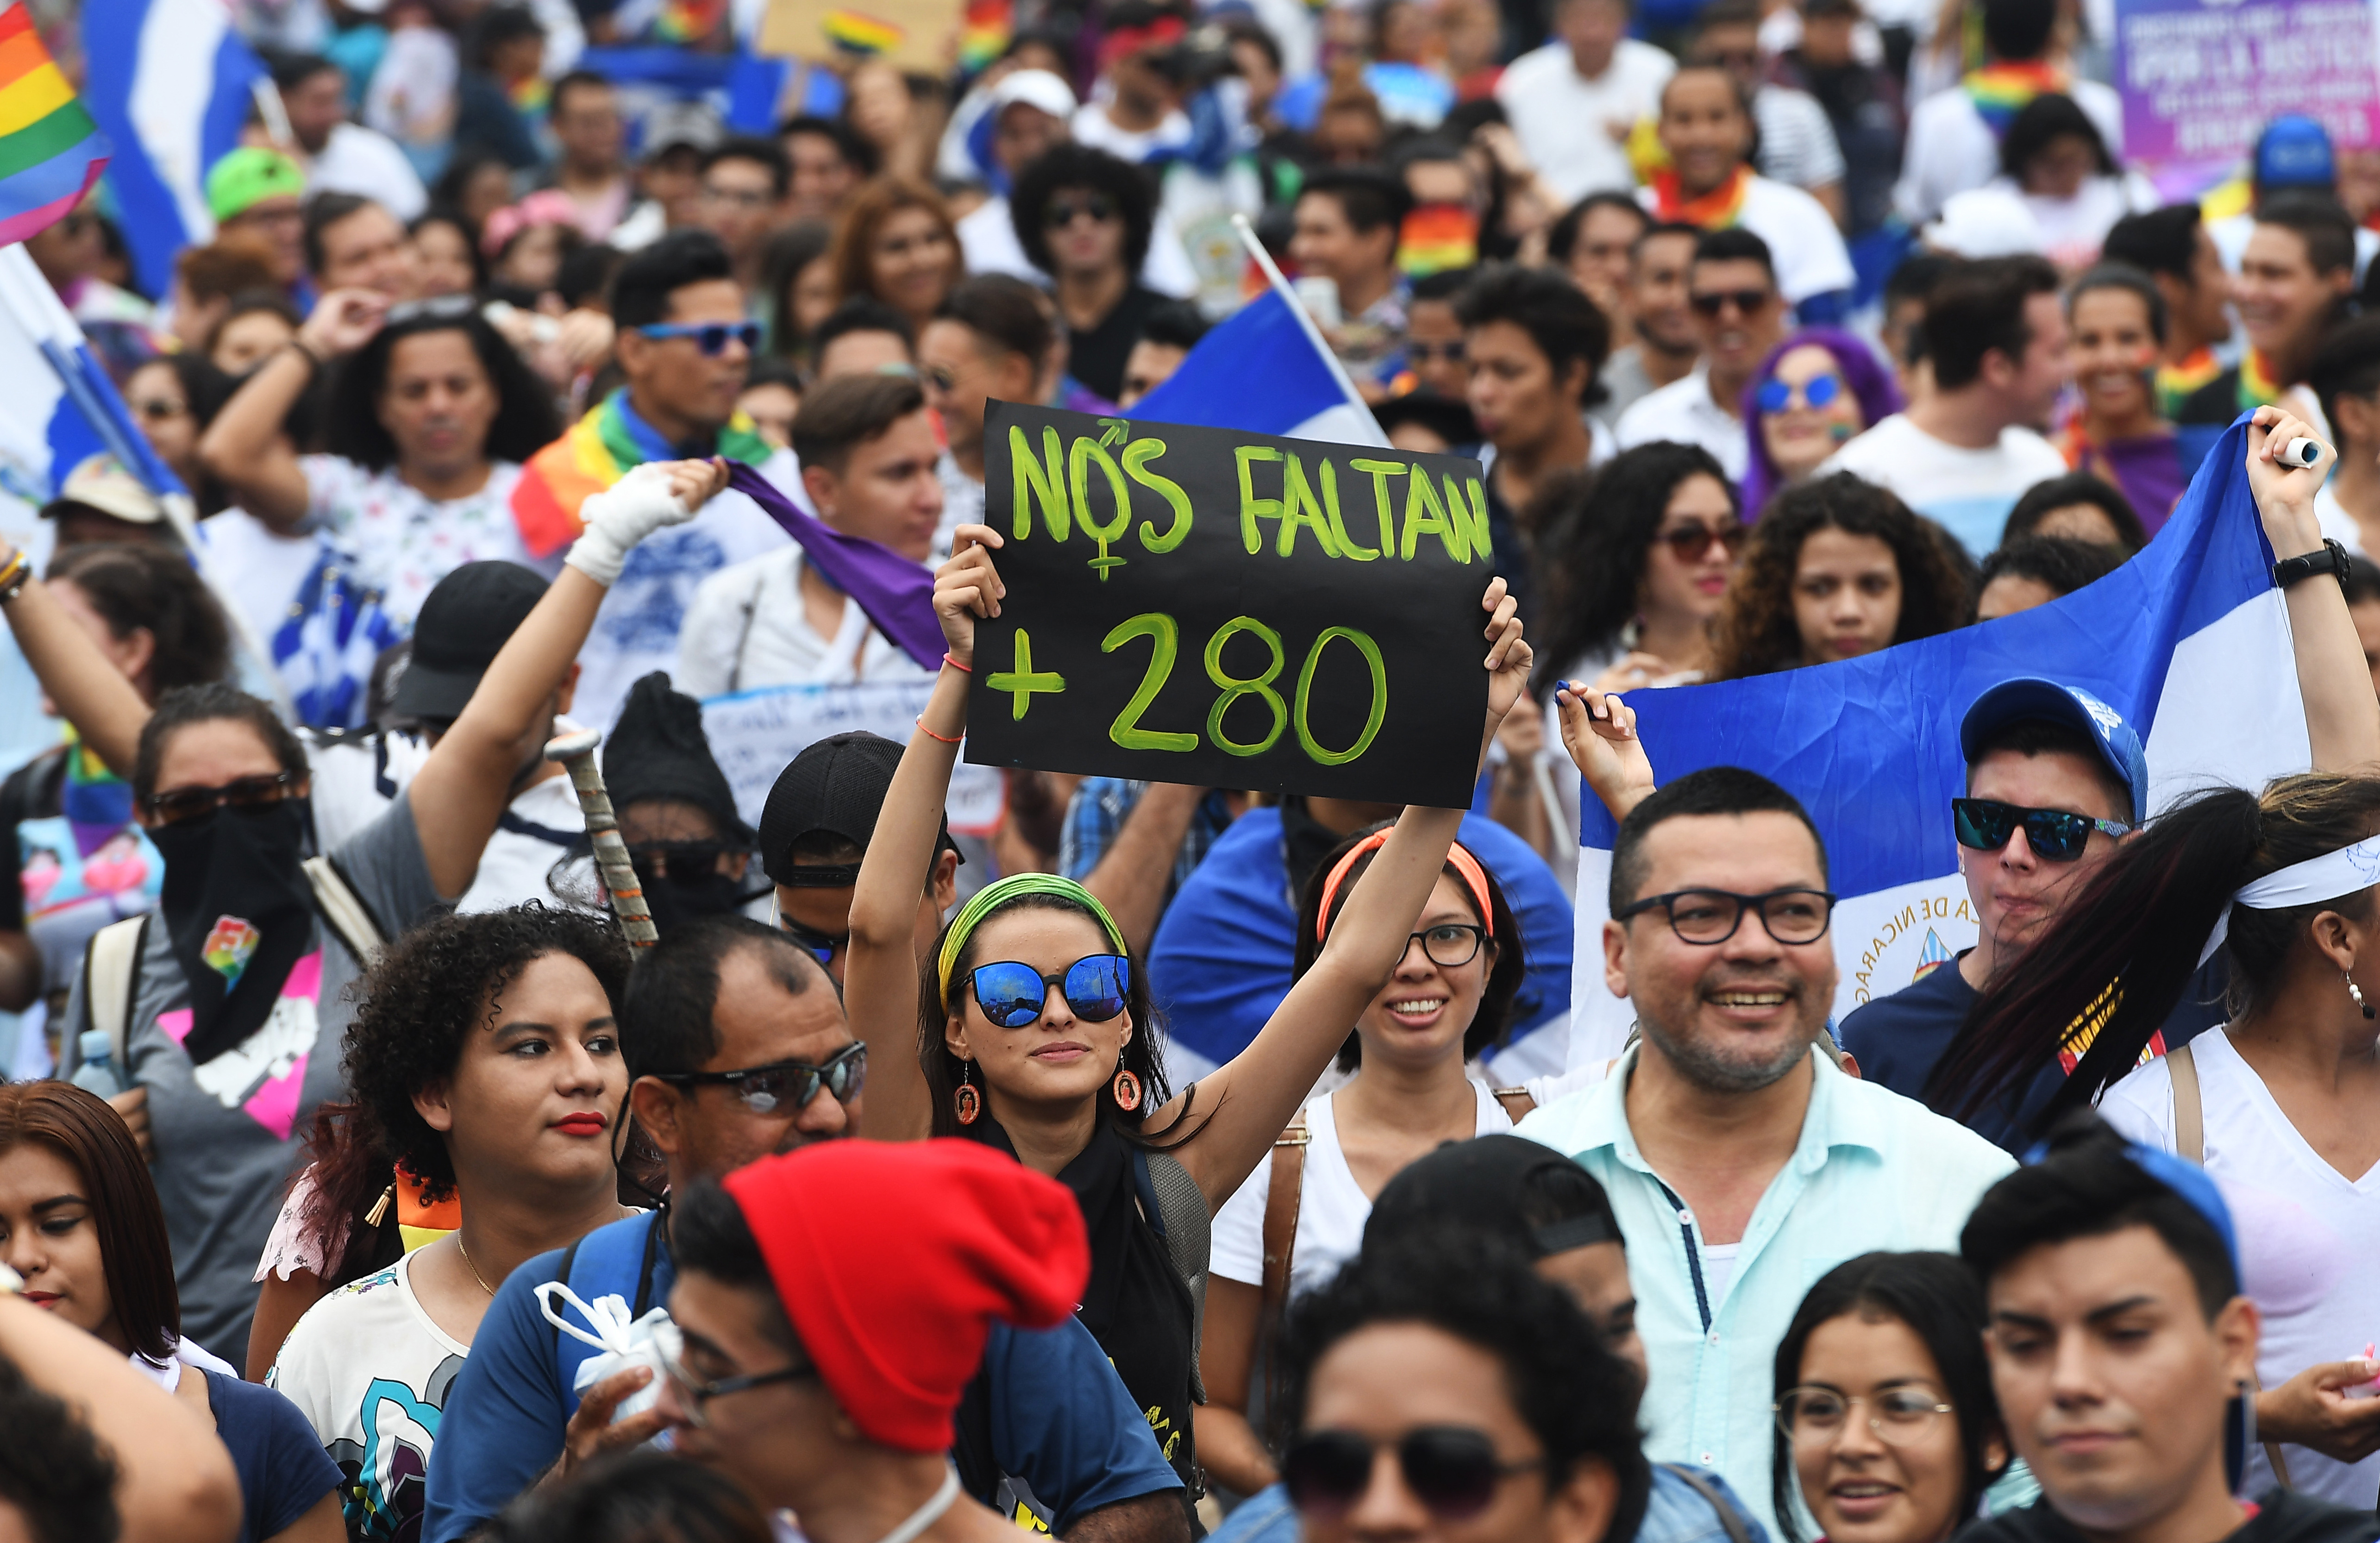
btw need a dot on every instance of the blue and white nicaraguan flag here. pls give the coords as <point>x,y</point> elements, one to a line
<point>1264,371</point>
<point>2189,641</point>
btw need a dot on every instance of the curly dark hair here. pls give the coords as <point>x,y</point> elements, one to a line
<point>1594,545</point>
<point>137,584</point>
<point>429,989</point>
<point>942,1069</point>
<point>53,1469</point>
<point>1758,634</point>
<point>1508,965</point>
<point>525,422</point>
<point>1071,165</point>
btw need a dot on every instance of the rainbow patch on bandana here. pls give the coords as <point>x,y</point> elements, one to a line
<point>230,946</point>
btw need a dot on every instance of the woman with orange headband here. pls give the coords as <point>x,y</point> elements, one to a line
<point>1034,1033</point>
<point>1447,1003</point>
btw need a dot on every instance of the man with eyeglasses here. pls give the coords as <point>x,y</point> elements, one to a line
<point>739,1051</point>
<point>744,186</point>
<point>1738,316</point>
<point>1742,1163</point>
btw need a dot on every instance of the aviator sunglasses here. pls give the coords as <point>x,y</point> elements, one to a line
<point>1453,1470</point>
<point>1986,824</point>
<point>1012,994</point>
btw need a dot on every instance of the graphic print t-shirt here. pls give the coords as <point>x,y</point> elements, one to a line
<point>370,1372</point>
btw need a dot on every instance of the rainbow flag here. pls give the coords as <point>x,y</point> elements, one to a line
<point>984,33</point>
<point>2002,91</point>
<point>50,151</point>
<point>862,34</point>
<point>591,455</point>
<point>1435,237</point>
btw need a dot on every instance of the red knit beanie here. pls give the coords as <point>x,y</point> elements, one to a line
<point>892,1258</point>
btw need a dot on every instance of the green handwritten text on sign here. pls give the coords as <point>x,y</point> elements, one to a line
<point>1194,605</point>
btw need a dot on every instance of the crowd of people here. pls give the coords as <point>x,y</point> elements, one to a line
<point>1143,1161</point>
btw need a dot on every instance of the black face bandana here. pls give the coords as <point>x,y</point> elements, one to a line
<point>674,901</point>
<point>240,913</point>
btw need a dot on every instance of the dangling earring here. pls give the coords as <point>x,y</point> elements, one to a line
<point>2357,992</point>
<point>1127,1088</point>
<point>967,1102</point>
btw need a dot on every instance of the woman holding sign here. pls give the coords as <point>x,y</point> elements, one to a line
<point>1035,1034</point>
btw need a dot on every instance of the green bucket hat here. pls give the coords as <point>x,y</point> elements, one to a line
<point>247,177</point>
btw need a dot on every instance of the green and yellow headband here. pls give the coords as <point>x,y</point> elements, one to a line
<point>1001,891</point>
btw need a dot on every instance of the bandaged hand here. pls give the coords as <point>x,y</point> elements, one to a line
<point>647,498</point>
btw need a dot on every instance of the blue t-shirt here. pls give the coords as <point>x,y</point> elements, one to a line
<point>1897,1039</point>
<point>1674,1513</point>
<point>284,1472</point>
<point>1061,1423</point>
<point>1224,952</point>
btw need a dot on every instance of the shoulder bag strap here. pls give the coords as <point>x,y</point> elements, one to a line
<point>1284,1190</point>
<point>1736,1531</point>
<point>2190,1140</point>
<point>111,969</point>
<point>1515,1102</point>
<point>1189,1236</point>
<point>343,910</point>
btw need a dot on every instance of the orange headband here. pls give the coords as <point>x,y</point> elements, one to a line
<point>1461,860</point>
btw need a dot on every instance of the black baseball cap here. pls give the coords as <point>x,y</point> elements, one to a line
<point>834,788</point>
<point>1507,1187</point>
<point>462,626</point>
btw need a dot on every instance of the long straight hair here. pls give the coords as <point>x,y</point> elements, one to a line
<point>136,1257</point>
<point>2130,940</point>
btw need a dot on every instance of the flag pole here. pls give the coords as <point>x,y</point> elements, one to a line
<point>1272,273</point>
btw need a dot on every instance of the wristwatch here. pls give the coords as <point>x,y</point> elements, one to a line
<point>2331,559</point>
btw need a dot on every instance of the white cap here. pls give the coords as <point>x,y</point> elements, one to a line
<point>101,482</point>
<point>1035,88</point>
<point>1986,222</point>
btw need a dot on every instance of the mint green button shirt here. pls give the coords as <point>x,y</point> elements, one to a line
<point>1873,1171</point>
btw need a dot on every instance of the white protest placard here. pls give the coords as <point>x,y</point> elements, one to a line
<point>754,735</point>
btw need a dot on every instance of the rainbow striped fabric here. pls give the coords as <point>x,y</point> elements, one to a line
<point>591,455</point>
<point>862,34</point>
<point>50,151</point>
<point>984,32</point>
<point>2002,91</point>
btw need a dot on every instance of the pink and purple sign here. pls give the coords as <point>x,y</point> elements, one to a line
<point>2200,79</point>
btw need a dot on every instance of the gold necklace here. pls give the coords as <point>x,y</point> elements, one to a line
<point>472,1267</point>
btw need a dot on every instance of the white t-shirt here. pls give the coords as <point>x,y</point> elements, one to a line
<point>1092,127</point>
<point>2309,1236</point>
<point>988,240</point>
<point>1332,1209</point>
<point>1952,149</point>
<point>1684,411</point>
<point>371,1372</point>
<point>365,163</point>
<point>1564,119</point>
<point>748,627</point>
<point>2338,525</point>
<point>263,568</point>
<point>1968,493</point>
<point>401,541</point>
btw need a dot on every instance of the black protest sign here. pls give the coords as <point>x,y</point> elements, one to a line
<point>1195,605</point>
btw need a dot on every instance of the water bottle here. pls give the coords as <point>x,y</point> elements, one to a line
<point>97,1074</point>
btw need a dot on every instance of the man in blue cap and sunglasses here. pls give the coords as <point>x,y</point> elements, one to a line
<point>2055,779</point>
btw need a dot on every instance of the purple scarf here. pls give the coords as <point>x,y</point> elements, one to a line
<point>898,594</point>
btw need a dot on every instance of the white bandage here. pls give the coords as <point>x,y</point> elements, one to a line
<point>620,516</point>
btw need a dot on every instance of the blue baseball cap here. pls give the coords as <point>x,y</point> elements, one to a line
<point>2294,151</point>
<point>2030,699</point>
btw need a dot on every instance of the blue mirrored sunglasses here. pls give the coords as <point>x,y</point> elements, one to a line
<point>1012,994</point>
<point>712,337</point>
<point>1819,391</point>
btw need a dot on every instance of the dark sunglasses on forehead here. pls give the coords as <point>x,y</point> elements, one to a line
<point>1453,1470</point>
<point>1819,391</point>
<point>1745,302</point>
<point>1013,994</point>
<point>179,804</point>
<point>785,1085</point>
<point>2057,835</point>
<point>710,337</point>
<point>1691,543</point>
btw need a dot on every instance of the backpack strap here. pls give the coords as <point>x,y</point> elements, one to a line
<point>343,911</point>
<point>1516,1102</point>
<point>1283,1191</point>
<point>1736,1531</point>
<point>1188,1227</point>
<point>111,970</point>
<point>608,1261</point>
<point>2190,1141</point>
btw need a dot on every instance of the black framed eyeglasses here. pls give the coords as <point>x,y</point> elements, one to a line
<point>176,805</point>
<point>1711,916</point>
<point>2057,835</point>
<point>821,946</point>
<point>1450,945</point>
<point>696,1394</point>
<point>1451,1469</point>
<point>785,1085</point>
